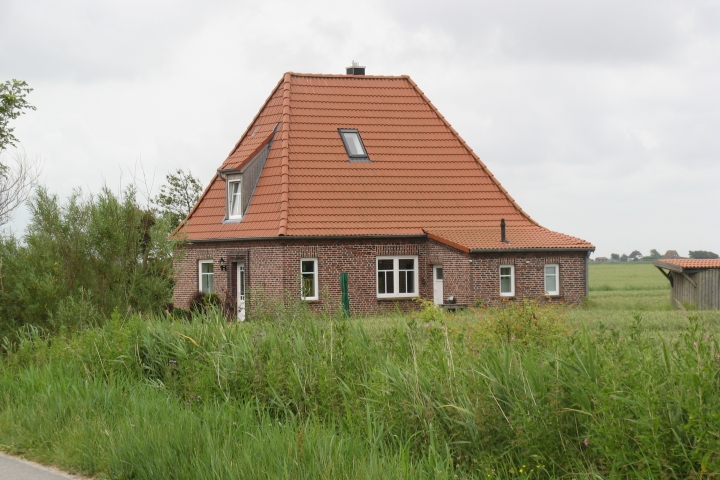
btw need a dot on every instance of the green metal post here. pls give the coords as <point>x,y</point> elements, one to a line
<point>345,295</point>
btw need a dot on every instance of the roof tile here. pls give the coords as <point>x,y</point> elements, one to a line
<point>422,177</point>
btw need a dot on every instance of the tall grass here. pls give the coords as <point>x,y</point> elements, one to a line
<point>325,397</point>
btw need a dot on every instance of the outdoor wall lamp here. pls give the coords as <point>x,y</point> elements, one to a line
<point>222,264</point>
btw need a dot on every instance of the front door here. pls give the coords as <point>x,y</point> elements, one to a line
<point>241,292</point>
<point>438,284</point>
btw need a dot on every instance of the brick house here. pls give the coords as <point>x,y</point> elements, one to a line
<point>361,177</point>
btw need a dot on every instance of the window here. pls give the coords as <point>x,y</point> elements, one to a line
<point>552,285</point>
<point>309,279</point>
<point>397,277</point>
<point>234,200</point>
<point>353,144</point>
<point>206,276</point>
<point>507,280</point>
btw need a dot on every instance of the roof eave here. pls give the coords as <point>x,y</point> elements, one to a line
<point>305,237</point>
<point>543,249</point>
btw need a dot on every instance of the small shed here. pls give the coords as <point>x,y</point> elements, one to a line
<point>693,282</point>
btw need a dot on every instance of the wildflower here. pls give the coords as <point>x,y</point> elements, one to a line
<point>695,344</point>
<point>427,325</point>
<point>172,361</point>
<point>586,442</point>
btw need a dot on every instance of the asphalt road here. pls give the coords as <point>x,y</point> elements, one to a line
<point>12,468</point>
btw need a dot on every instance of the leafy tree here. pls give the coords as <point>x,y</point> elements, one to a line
<point>623,258</point>
<point>614,257</point>
<point>12,105</point>
<point>655,255</point>
<point>178,196</point>
<point>702,254</point>
<point>19,177</point>
<point>84,258</point>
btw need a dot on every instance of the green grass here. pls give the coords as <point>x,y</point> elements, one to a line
<point>626,276</point>
<point>623,387</point>
<point>508,393</point>
<point>619,289</point>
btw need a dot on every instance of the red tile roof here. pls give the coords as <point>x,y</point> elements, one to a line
<point>691,263</point>
<point>519,237</point>
<point>422,176</point>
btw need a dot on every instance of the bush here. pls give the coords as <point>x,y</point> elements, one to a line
<point>523,322</point>
<point>83,259</point>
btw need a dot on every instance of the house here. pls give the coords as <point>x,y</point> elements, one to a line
<point>355,190</point>
<point>635,256</point>
<point>601,259</point>
<point>670,255</point>
<point>694,282</point>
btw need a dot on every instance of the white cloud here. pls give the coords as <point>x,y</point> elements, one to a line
<point>599,118</point>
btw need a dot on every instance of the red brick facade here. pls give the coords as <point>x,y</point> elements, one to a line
<point>273,267</point>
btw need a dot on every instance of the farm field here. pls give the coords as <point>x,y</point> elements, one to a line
<point>619,289</point>
<point>623,387</point>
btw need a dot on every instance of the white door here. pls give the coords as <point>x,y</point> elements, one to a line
<point>241,292</point>
<point>438,284</point>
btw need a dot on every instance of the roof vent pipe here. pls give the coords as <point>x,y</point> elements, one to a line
<point>502,231</point>
<point>355,69</point>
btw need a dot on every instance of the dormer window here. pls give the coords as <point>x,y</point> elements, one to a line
<point>353,145</point>
<point>234,199</point>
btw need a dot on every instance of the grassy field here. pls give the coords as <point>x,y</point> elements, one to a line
<point>619,290</point>
<point>618,388</point>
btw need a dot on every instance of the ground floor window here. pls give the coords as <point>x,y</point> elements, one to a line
<point>309,279</point>
<point>207,284</point>
<point>397,276</point>
<point>507,280</point>
<point>552,284</point>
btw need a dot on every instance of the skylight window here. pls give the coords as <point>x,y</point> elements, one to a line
<point>353,145</point>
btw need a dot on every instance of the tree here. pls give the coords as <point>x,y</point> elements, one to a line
<point>179,196</point>
<point>16,183</point>
<point>83,258</point>
<point>12,105</point>
<point>623,258</point>
<point>702,254</point>
<point>18,178</point>
<point>614,257</point>
<point>654,254</point>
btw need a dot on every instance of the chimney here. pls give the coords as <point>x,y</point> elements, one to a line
<point>502,231</point>
<point>355,69</point>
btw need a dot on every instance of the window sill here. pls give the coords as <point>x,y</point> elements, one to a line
<point>391,299</point>
<point>310,300</point>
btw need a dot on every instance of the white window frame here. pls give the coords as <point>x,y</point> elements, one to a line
<point>231,180</point>
<point>200,275</point>
<point>557,279</point>
<point>396,276</point>
<point>511,293</point>
<point>315,279</point>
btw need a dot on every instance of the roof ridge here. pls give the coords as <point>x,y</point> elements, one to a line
<point>285,155</point>
<point>344,75</point>
<point>469,150</point>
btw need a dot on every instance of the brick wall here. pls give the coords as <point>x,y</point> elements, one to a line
<point>273,269</point>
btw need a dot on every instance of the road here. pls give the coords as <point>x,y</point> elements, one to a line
<point>12,468</point>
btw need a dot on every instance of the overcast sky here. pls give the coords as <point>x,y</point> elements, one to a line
<point>602,119</point>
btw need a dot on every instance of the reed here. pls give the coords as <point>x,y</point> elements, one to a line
<point>305,397</point>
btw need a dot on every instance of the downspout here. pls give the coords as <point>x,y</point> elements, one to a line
<point>587,274</point>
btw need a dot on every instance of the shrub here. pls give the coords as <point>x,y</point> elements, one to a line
<point>524,322</point>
